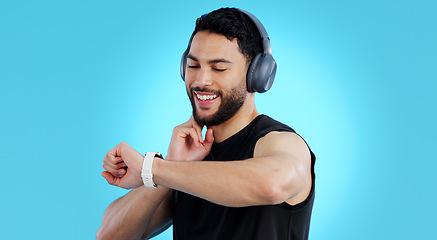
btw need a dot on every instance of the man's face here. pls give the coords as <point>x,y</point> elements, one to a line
<point>215,78</point>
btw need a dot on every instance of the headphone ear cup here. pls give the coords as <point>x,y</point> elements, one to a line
<point>266,72</point>
<point>261,73</point>
<point>251,75</point>
<point>184,64</point>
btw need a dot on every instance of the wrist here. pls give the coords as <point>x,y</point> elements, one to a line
<point>157,165</point>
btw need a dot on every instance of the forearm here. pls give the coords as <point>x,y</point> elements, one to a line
<point>231,183</point>
<point>129,216</point>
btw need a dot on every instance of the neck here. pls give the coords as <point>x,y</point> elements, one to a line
<point>241,119</point>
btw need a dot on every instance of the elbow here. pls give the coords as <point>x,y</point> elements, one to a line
<point>102,234</point>
<point>273,193</point>
<point>277,190</point>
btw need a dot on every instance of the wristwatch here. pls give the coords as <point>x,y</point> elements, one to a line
<point>146,172</point>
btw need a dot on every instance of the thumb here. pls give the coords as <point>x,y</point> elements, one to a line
<point>209,139</point>
<point>109,177</point>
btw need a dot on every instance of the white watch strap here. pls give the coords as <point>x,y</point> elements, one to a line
<point>146,172</point>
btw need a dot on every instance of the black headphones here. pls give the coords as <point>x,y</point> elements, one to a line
<point>262,69</point>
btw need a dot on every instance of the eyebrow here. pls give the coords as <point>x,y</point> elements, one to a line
<point>218,60</point>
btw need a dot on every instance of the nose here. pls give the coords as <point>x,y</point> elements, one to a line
<point>203,78</point>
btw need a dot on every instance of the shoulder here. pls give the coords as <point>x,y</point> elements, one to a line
<point>282,142</point>
<point>272,137</point>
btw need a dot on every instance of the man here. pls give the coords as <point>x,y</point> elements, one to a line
<point>250,177</point>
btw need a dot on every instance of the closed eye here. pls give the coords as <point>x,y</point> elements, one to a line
<point>219,69</point>
<point>193,66</point>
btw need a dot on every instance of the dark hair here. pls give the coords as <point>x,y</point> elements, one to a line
<point>232,23</point>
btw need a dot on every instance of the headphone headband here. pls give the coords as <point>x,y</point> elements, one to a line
<point>262,31</point>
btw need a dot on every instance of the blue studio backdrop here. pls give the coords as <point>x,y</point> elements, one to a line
<point>357,79</point>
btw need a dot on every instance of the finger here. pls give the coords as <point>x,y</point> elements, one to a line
<point>195,136</point>
<point>188,123</point>
<point>209,136</point>
<point>116,170</point>
<point>191,123</point>
<point>117,160</point>
<point>112,153</point>
<point>114,163</point>
<point>191,132</point>
<point>198,128</point>
<point>117,150</point>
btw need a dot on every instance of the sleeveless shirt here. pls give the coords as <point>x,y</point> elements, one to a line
<point>197,218</point>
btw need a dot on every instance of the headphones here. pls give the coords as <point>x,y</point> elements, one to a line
<point>262,69</point>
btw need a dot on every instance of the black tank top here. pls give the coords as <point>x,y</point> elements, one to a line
<point>196,218</point>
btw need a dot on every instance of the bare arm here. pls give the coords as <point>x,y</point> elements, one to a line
<point>279,171</point>
<point>161,219</point>
<point>144,212</point>
<point>138,213</point>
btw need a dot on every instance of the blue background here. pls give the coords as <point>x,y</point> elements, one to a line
<point>357,79</point>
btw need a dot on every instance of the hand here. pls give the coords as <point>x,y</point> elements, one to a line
<point>123,166</point>
<point>187,143</point>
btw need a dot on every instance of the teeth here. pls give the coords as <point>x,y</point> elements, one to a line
<point>206,97</point>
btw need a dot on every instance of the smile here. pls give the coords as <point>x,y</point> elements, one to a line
<point>205,97</point>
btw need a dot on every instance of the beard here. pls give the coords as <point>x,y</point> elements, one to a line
<point>230,103</point>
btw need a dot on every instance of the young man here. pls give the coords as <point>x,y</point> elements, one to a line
<point>251,177</point>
